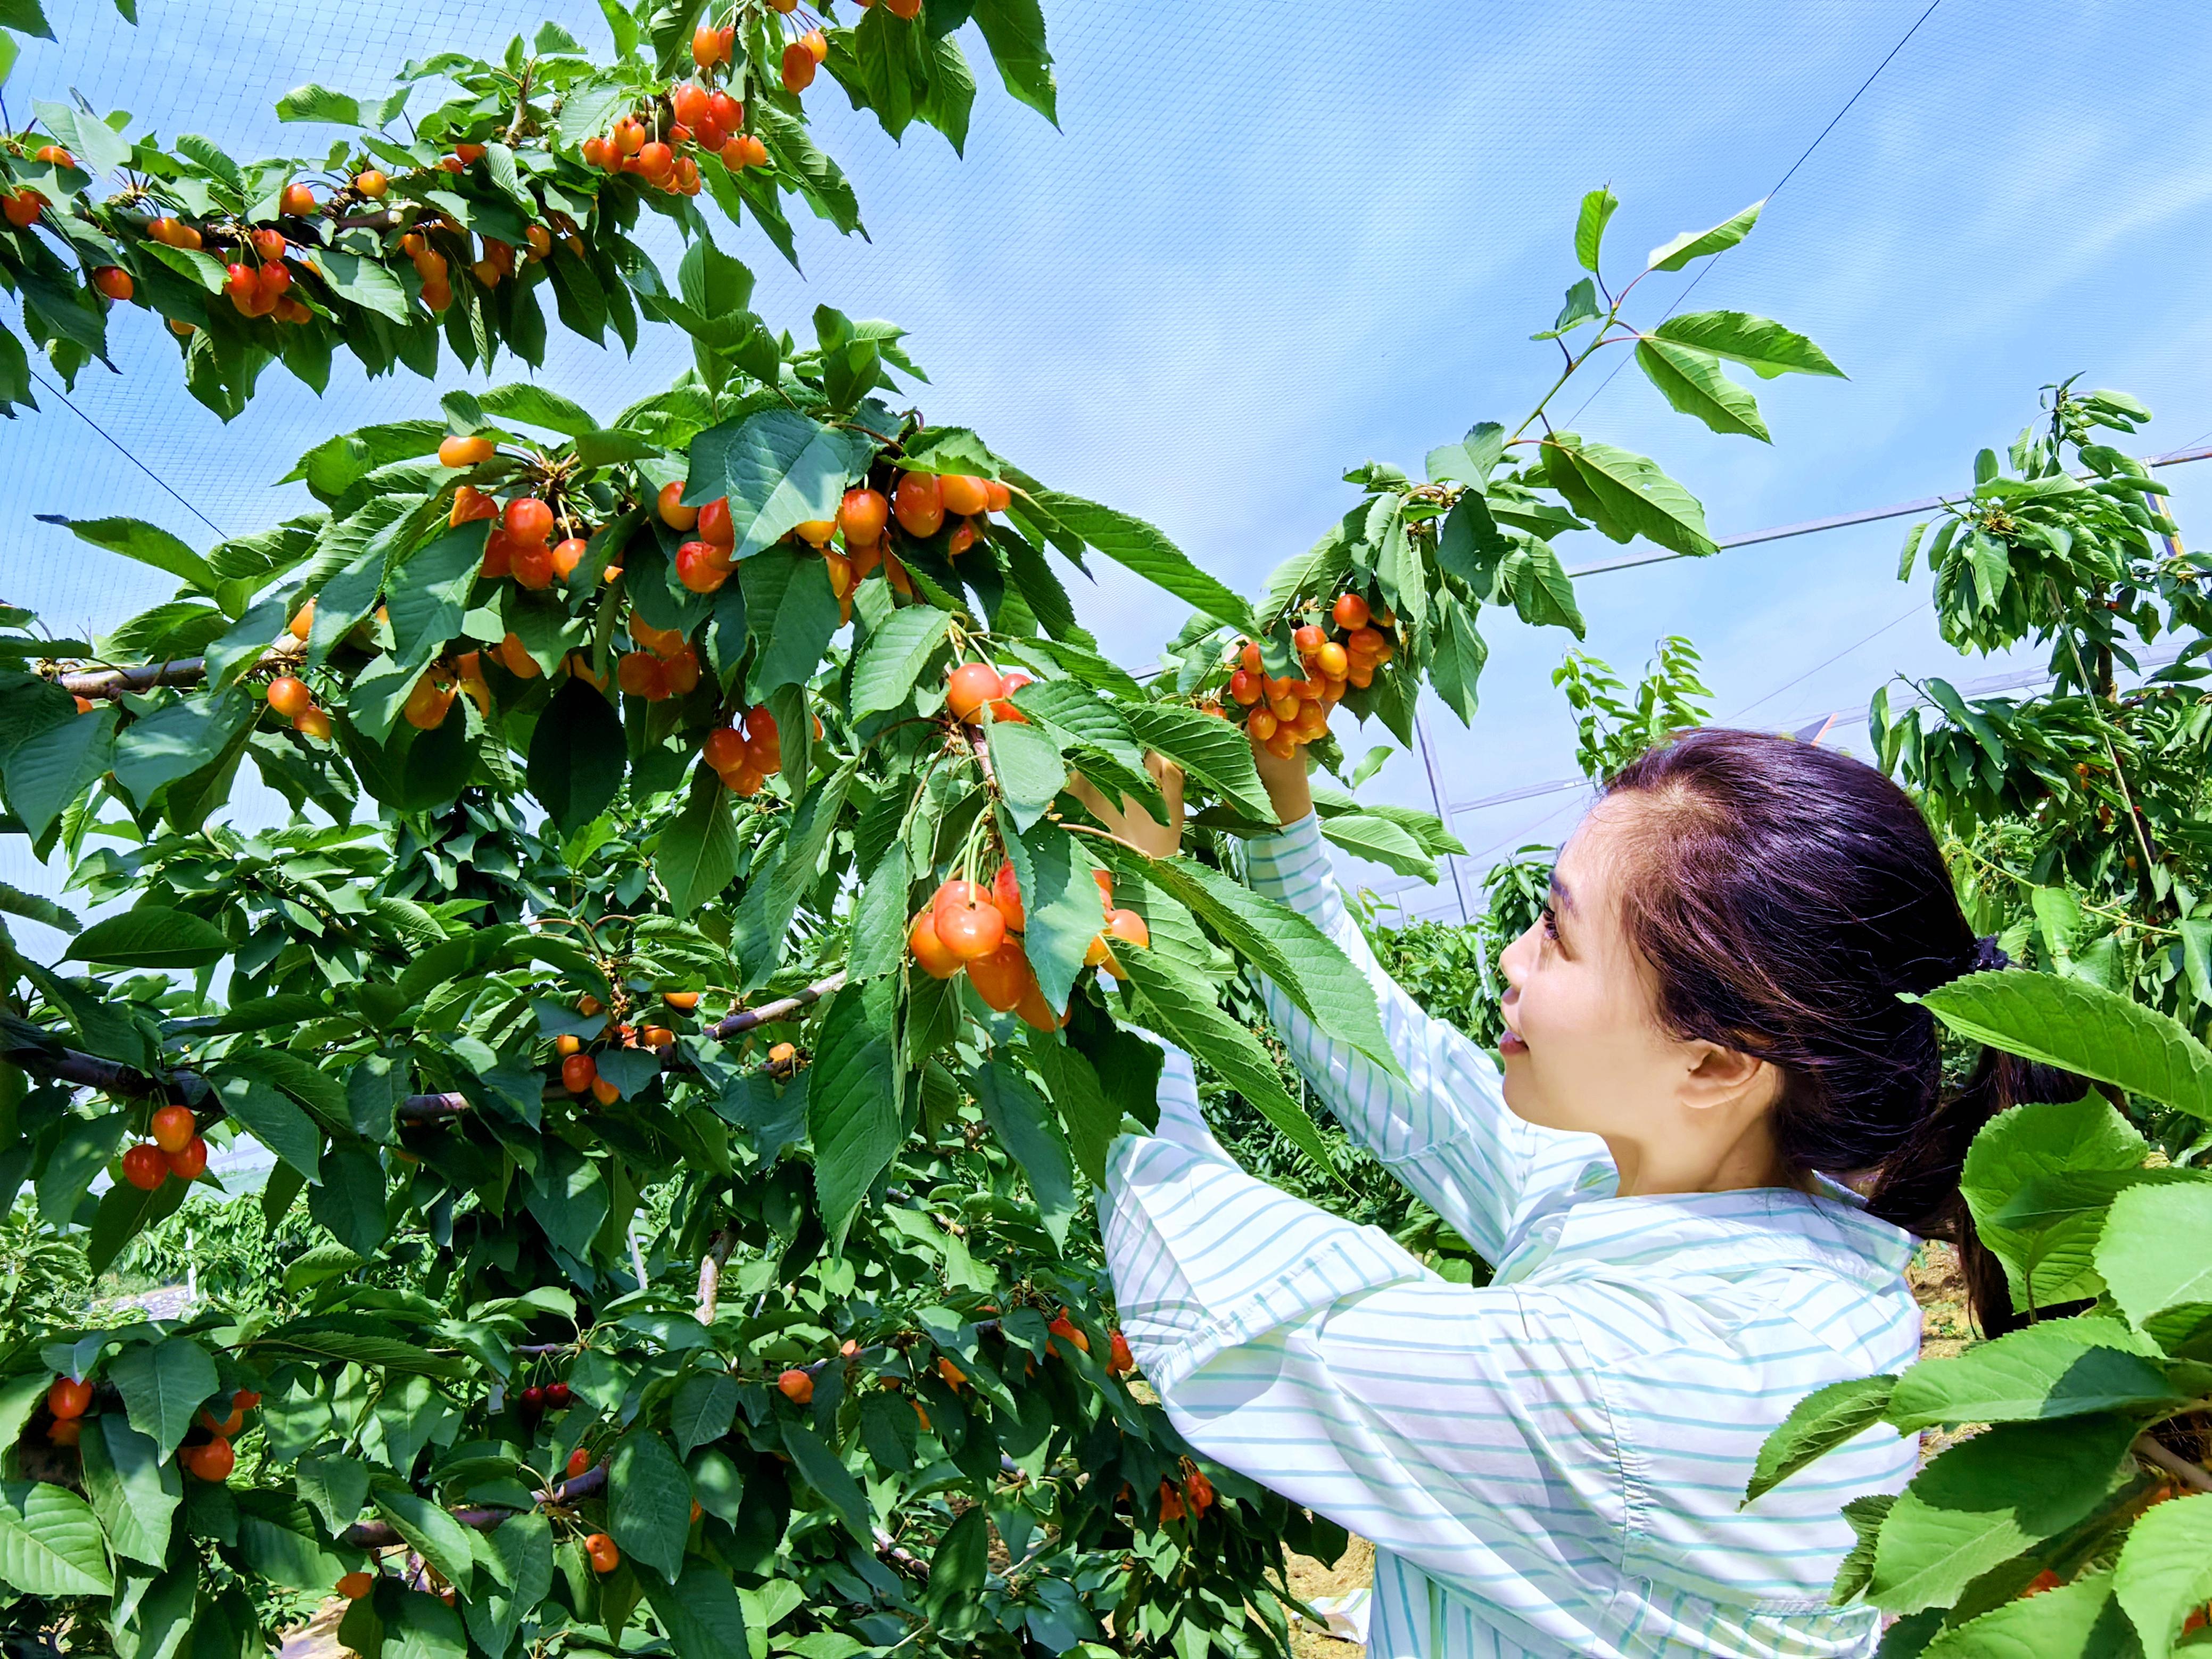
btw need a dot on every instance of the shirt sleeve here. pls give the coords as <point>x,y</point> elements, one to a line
<point>1439,1421</point>
<point>1444,1129</point>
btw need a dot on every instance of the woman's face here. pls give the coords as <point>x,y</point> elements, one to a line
<point>1583,1050</point>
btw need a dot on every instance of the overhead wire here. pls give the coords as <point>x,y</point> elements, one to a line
<point>128,454</point>
<point>1800,160</point>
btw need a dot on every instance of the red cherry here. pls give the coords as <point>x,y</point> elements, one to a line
<point>1003,707</point>
<point>967,924</point>
<point>145,1166</point>
<point>972,685</point>
<point>556,1396</point>
<point>919,504</point>
<point>174,1126</point>
<point>528,520</point>
<point>191,1163</point>
<point>1006,894</point>
<point>69,1398</point>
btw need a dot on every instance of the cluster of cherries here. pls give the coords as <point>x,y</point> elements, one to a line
<point>667,667</point>
<point>291,696</point>
<point>744,755</point>
<point>968,927</point>
<point>211,1460</point>
<point>701,116</point>
<point>1286,713</point>
<point>22,208</point>
<point>580,1072</point>
<point>176,1148</point>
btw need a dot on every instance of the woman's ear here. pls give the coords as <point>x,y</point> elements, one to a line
<point>1719,1077</point>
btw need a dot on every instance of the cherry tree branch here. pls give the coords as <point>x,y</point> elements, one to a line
<point>182,671</point>
<point>2190,1474</point>
<point>768,1013</point>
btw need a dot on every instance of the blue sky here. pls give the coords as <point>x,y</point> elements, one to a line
<point>1269,241</point>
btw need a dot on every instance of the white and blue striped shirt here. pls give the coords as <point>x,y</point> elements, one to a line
<point>1552,1464</point>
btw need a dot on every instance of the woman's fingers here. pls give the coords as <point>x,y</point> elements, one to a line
<point>1129,820</point>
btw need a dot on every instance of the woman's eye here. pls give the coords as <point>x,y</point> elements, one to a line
<point>1551,921</point>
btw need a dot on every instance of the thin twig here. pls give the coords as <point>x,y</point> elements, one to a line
<point>768,1013</point>
<point>379,1535</point>
<point>2190,1474</point>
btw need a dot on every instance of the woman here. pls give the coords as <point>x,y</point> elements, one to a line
<point>1704,1026</point>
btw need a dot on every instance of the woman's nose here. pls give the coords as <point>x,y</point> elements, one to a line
<point>1514,960</point>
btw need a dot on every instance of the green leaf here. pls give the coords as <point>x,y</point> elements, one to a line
<point>1759,344</point>
<point>428,595</point>
<point>701,1611</point>
<point>792,615</point>
<point>350,1202</point>
<point>1212,751</point>
<point>778,469</point>
<point>1029,768</point>
<point>2079,1619</point>
<point>819,1466</point>
<point>134,1491</point>
<point>272,1119</point>
<point>514,1571</point>
<point>318,103</point>
<point>1579,307</point>
<point>278,1540</point>
<point>648,1501</point>
<point>1301,960</point>
<point>1983,1500</point>
<point>1367,836</point>
<point>1692,382</point>
<point>134,539</point>
<point>1014,30</point>
<point>434,1534</point>
<point>2059,1368</point>
<point>568,1196</point>
<point>537,405</point>
<point>1471,460</point>
<point>706,1404</point>
<point>1697,243</point>
<point>363,281</point>
<point>187,736</point>
<point>1025,1129</point>
<point>698,855</point>
<point>852,1107</point>
<point>1137,546</point>
<point>44,772</point>
<point>162,1384</point>
<point>1816,1425</point>
<point>894,657</point>
<point>958,1569</point>
<point>50,1542</point>
<point>1057,876</point>
<point>2029,1144</point>
<point>576,756</point>
<point>2080,1027</point>
<point>1181,1005</point>
<point>337,1487</point>
<point>2165,1571</point>
<point>1596,213</point>
<point>1092,1120</point>
<point>1627,495</point>
<point>2155,1250</point>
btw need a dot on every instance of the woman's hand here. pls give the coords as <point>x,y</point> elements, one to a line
<point>1285,781</point>
<point>1130,821</point>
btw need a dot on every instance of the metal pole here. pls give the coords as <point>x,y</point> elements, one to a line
<point>1443,810</point>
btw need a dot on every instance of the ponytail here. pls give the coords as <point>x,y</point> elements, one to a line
<point>1918,1189</point>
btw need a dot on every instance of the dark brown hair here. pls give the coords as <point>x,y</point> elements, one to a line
<point>1785,895</point>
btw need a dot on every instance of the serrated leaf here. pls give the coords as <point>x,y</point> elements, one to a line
<point>1692,382</point>
<point>162,1384</point>
<point>148,543</point>
<point>698,854</point>
<point>1025,1129</point>
<point>1816,1425</point>
<point>434,1534</point>
<point>577,756</point>
<point>1212,751</point>
<point>1596,213</point>
<point>1137,546</point>
<point>2059,1368</point>
<point>1179,1004</point>
<point>2164,1574</point>
<point>1759,344</point>
<point>648,1501</point>
<point>2080,1027</point>
<point>706,1404</point>
<point>851,1107</point>
<point>2156,1249</point>
<point>894,657</point>
<point>2076,1619</point>
<point>778,469</point>
<point>50,1542</point>
<point>134,1490</point>
<point>1367,836</point>
<point>701,1612</point>
<point>313,102</point>
<point>1627,494</point>
<point>1983,1500</point>
<point>1697,244</point>
<point>827,1475</point>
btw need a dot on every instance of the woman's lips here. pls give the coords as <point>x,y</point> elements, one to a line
<point>1512,1043</point>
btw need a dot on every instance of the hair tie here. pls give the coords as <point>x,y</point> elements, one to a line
<point>1989,956</point>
